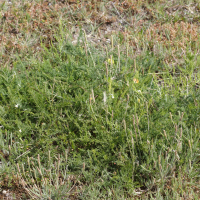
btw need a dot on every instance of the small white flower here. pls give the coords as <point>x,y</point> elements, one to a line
<point>20,130</point>
<point>17,105</point>
<point>4,192</point>
<point>112,96</point>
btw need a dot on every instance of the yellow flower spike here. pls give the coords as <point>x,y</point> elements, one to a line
<point>138,100</point>
<point>109,61</point>
<point>136,80</point>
